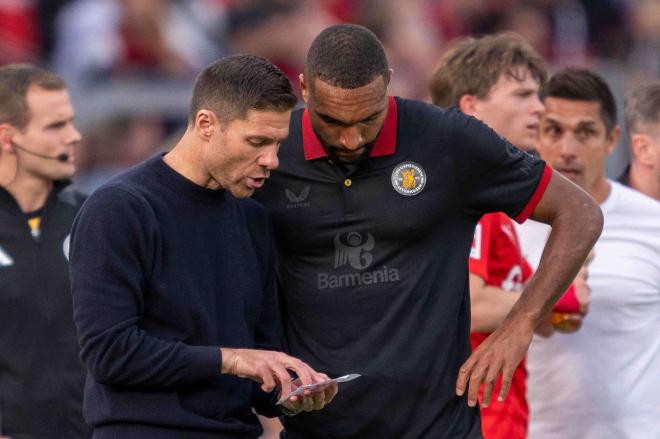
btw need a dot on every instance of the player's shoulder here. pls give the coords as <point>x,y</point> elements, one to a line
<point>135,180</point>
<point>417,114</point>
<point>121,192</point>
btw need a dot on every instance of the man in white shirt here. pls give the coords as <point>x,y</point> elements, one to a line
<point>603,381</point>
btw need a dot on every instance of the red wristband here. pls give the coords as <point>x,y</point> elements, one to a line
<point>568,302</point>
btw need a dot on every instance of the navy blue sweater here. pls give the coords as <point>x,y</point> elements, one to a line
<point>163,273</point>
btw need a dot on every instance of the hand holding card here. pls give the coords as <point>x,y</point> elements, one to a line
<point>316,387</point>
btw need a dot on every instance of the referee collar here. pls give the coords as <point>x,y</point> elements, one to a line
<point>385,143</point>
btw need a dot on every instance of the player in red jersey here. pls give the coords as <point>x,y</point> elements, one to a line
<point>498,265</point>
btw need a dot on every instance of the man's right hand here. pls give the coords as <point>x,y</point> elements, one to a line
<point>270,368</point>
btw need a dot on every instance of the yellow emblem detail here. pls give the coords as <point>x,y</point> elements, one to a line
<point>408,179</point>
<point>34,224</point>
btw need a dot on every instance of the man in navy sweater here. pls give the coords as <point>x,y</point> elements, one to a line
<point>172,274</point>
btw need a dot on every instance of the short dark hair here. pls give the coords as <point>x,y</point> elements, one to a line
<point>578,84</point>
<point>233,85</point>
<point>472,66</point>
<point>15,80</point>
<point>642,107</point>
<point>346,56</point>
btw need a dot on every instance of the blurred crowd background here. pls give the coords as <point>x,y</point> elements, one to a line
<point>130,63</point>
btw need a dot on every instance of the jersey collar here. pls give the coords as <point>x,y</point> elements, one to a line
<point>385,142</point>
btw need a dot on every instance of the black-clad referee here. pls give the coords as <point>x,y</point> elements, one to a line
<point>41,377</point>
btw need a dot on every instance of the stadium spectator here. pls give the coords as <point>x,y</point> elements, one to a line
<point>497,80</point>
<point>19,34</point>
<point>172,276</point>
<point>289,27</point>
<point>100,39</point>
<point>410,39</point>
<point>643,25</point>
<point>41,377</point>
<point>601,382</point>
<point>642,116</point>
<point>374,208</point>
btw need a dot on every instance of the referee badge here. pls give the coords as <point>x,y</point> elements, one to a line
<point>408,178</point>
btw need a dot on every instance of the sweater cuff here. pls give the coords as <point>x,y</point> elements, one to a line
<point>265,403</point>
<point>204,361</point>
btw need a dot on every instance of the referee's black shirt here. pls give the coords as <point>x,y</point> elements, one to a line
<point>372,265</point>
<point>41,377</point>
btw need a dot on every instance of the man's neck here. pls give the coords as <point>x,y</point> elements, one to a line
<point>600,190</point>
<point>644,180</point>
<point>186,159</point>
<point>29,192</point>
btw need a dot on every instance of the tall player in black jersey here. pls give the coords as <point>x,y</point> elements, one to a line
<point>374,207</point>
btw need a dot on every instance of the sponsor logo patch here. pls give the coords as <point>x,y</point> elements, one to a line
<point>354,250</point>
<point>408,178</point>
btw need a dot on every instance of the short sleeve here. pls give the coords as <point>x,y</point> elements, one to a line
<point>495,175</point>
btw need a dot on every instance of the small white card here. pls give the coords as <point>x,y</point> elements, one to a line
<point>319,386</point>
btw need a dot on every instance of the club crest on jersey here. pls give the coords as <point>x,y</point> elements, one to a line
<point>408,178</point>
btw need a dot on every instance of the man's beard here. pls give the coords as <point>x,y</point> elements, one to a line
<point>336,158</point>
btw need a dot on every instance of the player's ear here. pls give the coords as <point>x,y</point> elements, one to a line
<point>304,87</point>
<point>206,122</point>
<point>467,104</point>
<point>613,139</point>
<point>388,77</point>
<point>6,136</point>
<point>640,146</point>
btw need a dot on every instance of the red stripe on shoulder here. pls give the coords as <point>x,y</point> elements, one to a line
<point>536,197</point>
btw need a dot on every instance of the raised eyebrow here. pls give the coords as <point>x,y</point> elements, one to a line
<point>551,121</point>
<point>586,124</point>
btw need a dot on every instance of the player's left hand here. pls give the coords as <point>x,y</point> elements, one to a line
<point>311,400</point>
<point>501,353</point>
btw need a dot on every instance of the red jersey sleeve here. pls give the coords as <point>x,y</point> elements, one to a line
<point>480,251</point>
